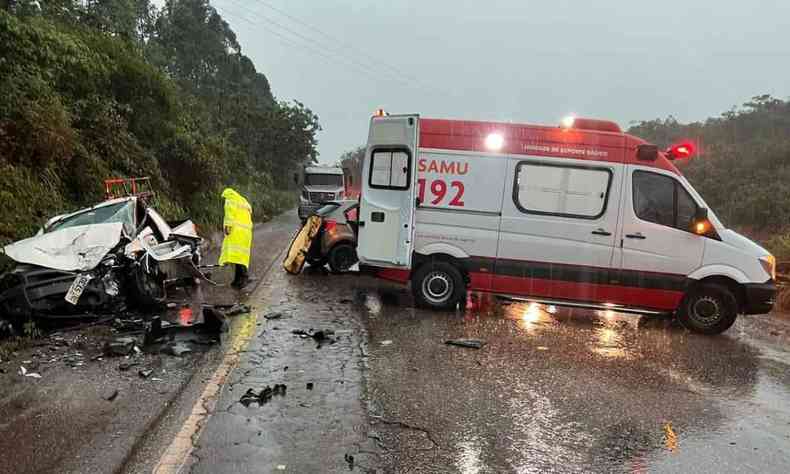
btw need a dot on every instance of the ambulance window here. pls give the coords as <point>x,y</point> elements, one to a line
<point>687,208</point>
<point>561,190</point>
<point>389,169</point>
<point>662,200</point>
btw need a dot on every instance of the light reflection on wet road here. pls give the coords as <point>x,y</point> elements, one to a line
<point>573,391</point>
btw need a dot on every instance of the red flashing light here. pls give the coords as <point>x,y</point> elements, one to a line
<point>329,225</point>
<point>680,151</point>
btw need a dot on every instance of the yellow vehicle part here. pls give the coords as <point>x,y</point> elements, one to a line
<point>300,245</point>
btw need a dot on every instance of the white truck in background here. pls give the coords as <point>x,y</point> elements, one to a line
<point>319,184</point>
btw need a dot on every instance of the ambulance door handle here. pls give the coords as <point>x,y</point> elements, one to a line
<point>600,231</point>
<point>638,235</point>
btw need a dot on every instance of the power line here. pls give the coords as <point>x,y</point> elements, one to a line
<point>395,74</point>
<point>345,44</point>
<point>289,41</point>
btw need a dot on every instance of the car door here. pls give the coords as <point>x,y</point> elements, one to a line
<point>558,228</point>
<point>657,248</point>
<point>387,204</point>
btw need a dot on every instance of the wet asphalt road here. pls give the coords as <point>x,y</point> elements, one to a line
<point>572,391</point>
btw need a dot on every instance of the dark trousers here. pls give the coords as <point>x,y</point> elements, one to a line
<point>240,275</point>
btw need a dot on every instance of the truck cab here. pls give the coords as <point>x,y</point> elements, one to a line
<point>319,184</point>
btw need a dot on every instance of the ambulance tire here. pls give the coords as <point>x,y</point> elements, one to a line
<point>708,309</point>
<point>438,285</point>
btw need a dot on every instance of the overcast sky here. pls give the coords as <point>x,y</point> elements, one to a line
<point>513,60</point>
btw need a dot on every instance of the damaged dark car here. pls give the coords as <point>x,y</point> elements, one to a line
<point>99,260</point>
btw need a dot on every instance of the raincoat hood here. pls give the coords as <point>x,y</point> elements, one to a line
<point>230,193</point>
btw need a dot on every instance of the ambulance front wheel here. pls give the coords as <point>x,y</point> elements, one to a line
<point>438,285</point>
<point>708,309</point>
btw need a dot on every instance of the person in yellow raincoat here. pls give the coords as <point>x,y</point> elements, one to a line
<point>237,244</point>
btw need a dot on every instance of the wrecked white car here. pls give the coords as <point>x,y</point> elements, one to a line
<point>98,260</point>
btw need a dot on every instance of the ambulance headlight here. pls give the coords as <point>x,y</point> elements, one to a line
<point>769,265</point>
<point>567,122</point>
<point>495,142</point>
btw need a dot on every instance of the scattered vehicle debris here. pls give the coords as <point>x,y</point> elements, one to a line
<point>98,260</point>
<point>111,395</point>
<point>272,316</point>
<point>309,385</point>
<point>125,366</point>
<point>320,336</point>
<point>264,396</point>
<point>237,309</point>
<point>350,460</point>
<point>145,373</point>
<point>468,343</point>
<point>177,349</point>
<point>386,343</point>
<point>119,347</point>
<point>24,373</point>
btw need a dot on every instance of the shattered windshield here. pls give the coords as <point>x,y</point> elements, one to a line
<point>122,212</point>
<point>323,180</point>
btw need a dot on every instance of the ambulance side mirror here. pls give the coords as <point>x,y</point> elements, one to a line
<point>647,152</point>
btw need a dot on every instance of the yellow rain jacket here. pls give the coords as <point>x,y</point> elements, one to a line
<point>238,216</point>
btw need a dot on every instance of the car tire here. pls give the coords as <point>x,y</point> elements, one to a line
<point>342,257</point>
<point>708,309</point>
<point>438,285</point>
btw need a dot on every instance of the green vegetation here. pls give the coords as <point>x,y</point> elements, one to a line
<point>743,166</point>
<point>116,88</point>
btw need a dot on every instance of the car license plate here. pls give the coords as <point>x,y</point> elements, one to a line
<point>77,288</point>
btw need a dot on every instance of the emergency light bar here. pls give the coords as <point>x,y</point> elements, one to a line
<point>578,123</point>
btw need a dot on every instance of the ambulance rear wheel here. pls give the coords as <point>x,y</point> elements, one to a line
<point>438,285</point>
<point>708,309</point>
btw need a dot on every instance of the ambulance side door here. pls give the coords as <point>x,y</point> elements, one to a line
<point>387,203</point>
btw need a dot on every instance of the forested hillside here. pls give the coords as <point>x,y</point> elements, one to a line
<point>117,88</point>
<point>743,166</point>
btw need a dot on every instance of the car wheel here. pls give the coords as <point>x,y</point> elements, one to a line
<point>438,285</point>
<point>342,257</point>
<point>708,309</point>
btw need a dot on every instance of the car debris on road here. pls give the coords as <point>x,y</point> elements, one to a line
<point>468,343</point>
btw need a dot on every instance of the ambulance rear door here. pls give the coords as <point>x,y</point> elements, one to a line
<point>387,204</point>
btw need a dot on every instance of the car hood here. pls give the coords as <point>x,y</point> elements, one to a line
<point>742,243</point>
<point>79,248</point>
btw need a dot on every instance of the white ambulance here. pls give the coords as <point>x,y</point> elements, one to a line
<point>580,215</point>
